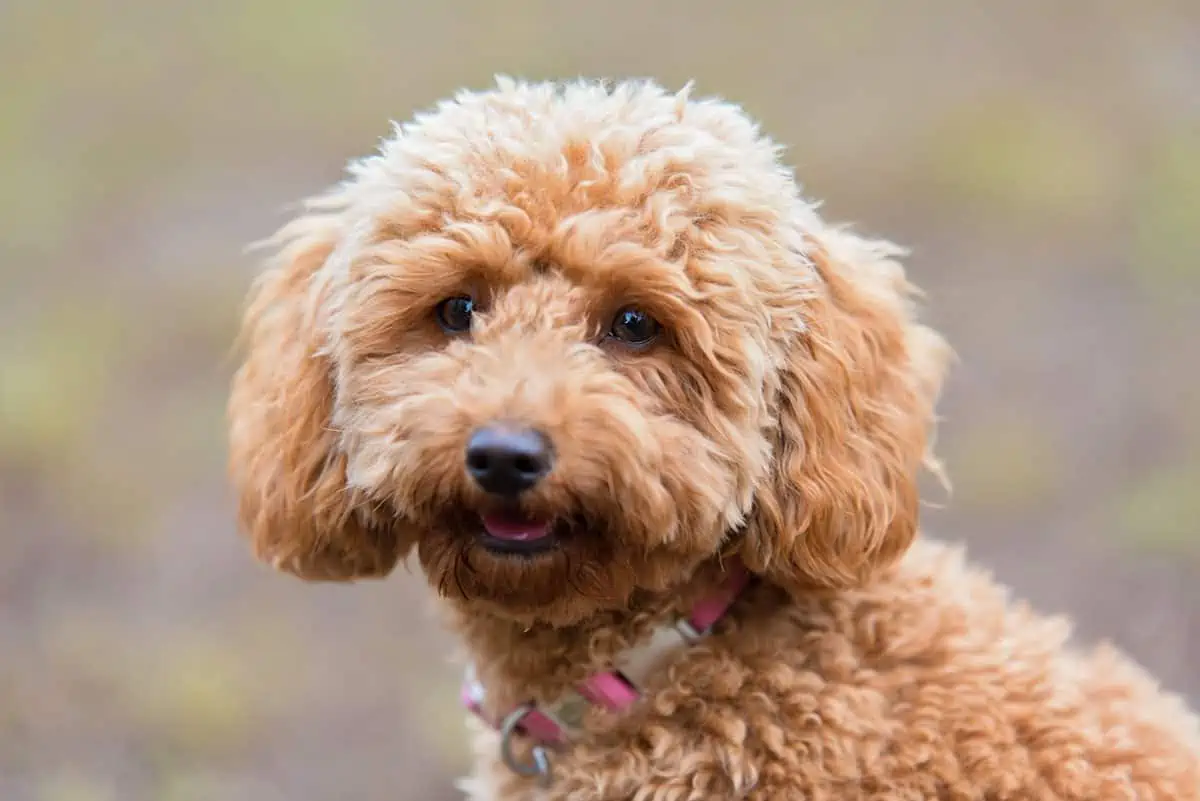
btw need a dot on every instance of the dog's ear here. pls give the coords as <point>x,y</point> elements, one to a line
<point>287,469</point>
<point>855,412</point>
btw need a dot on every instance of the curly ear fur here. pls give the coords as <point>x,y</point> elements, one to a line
<point>287,470</point>
<point>855,414</point>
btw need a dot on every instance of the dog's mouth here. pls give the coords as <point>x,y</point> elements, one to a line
<point>514,532</point>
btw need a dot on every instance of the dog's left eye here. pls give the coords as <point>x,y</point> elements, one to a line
<point>633,326</point>
<point>454,314</point>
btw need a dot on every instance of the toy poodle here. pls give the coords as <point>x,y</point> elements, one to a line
<point>653,430</point>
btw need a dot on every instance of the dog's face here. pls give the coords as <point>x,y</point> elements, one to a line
<point>569,344</point>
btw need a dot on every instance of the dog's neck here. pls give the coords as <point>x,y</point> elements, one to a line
<point>518,662</point>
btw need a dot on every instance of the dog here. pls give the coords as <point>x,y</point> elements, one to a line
<point>653,430</point>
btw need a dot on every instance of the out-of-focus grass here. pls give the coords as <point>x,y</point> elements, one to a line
<point>427,701</point>
<point>1161,511</point>
<point>59,368</point>
<point>239,35</point>
<point>1167,217</point>
<point>1019,157</point>
<point>73,786</point>
<point>194,698</point>
<point>78,364</point>
<point>1003,463</point>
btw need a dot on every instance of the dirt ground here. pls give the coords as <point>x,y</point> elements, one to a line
<point>1042,161</point>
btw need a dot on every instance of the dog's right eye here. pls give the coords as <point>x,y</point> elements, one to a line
<point>454,314</point>
<point>634,327</point>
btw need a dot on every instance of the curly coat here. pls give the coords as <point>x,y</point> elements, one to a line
<point>782,419</point>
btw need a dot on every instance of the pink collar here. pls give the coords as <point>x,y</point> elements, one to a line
<point>552,724</point>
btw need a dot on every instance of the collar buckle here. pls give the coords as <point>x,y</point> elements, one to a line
<point>539,765</point>
<point>690,632</point>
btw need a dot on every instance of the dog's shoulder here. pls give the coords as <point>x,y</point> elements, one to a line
<point>930,681</point>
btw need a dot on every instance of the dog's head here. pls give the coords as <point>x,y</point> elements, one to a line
<point>569,343</point>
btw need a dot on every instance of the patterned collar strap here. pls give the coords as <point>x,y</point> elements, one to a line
<point>552,724</point>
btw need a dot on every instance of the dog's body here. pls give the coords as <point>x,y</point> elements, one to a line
<point>584,349</point>
<point>927,683</point>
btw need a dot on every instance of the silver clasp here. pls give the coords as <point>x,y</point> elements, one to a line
<point>539,768</point>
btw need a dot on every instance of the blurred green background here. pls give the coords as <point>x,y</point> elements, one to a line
<point>1042,160</point>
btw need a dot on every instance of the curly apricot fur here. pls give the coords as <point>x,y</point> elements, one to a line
<point>783,419</point>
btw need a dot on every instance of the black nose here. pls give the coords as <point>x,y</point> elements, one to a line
<point>507,461</point>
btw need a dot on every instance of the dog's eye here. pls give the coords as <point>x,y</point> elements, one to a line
<point>454,314</point>
<point>633,326</point>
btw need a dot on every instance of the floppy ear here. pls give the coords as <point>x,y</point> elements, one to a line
<point>286,467</point>
<point>855,411</point>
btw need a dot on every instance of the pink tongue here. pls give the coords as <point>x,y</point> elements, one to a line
<point>508,527</point>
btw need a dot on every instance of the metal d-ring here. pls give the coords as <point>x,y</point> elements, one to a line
<point>539,768</point>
